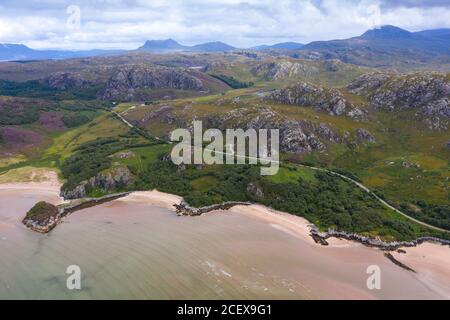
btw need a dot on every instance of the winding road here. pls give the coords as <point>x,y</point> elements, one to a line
<point>358,184</point>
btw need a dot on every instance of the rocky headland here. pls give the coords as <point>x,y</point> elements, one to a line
<point>44,217</point>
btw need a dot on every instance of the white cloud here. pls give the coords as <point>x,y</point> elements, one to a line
<point>128,23</point>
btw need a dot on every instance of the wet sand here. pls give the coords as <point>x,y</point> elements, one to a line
<point>137,247</point>
<point>432,264</point>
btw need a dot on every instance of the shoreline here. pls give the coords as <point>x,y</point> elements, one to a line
<point>285,221</point>
<point>430,261</point>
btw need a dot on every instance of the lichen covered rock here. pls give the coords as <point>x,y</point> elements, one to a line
<point>427,93</point>
<point>322,99</point>
<point>128,80</point>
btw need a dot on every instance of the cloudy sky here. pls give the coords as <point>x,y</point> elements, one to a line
<point>126,24</point>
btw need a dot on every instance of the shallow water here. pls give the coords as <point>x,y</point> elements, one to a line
<point>130,250</point>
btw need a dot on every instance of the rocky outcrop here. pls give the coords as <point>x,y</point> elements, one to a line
<point>427,93</point>
<point>284,69</point>
<point>320,237</point>
<point>76,193</point>
<point>184,209</point>
<point>298,137</point>
<point>65,80</point>
<point>255,190</point>
<point>123,155</point>
<point>365,135</point>
<point>164,114</point>
<point>128,80</point>
<point>322,99</point>
<point>334,65</point>
<point>89,202</point>
<point>369,81</point>
<point>119,177</point>
<point>396,262</point>
<point>44,217</point>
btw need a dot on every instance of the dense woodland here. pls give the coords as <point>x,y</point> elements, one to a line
<point>328,201</point>
<point>233,83</point>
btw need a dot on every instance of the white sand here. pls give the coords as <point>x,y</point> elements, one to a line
<point>432,264</point>
<point>154,198</point>
<point>288,223</point>
<point>431,261</point>
<point>51,184</point>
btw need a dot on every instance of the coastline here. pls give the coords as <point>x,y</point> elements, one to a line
<point>430,261</point>
<point>284,221</point>
<point>289,223</point>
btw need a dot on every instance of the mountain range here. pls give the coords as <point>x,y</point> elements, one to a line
<point>17,52</point>
<point>170,45</point>
<point>391,38</point>
<point>387,39</point>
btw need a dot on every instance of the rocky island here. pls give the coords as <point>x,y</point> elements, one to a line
<point>43,217</point>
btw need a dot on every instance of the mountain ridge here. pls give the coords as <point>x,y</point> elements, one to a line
<point>385,38</point>
<point>391,38</point>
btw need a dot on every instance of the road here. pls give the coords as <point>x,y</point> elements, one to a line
<point>358,184</point>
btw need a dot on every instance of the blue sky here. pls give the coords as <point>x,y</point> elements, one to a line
<point>127,24</point>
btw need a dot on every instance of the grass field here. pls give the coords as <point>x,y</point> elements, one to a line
<point>290,173</point>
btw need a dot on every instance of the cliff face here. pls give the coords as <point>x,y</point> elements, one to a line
<point>127,80</point>
<point>118,177</point>
<point>322,99</point>
<point>64,81</point>
<point>298,137</point>
<point>426,93</point>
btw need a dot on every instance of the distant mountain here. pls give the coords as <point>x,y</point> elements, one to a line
<point>375,44</point>
<point>288,45</point>
<point>212,47</point>
<point>260,47</point>
<point>387,33</point>
<point>283,45</point>
<point>16,52</point>
<point>388,38</point>
<point>442,34</point>
<point>168,45</point>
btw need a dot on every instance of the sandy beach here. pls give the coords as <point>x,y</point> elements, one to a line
<point>48,181</point>
<point>154,198</point>
<point>432,264</point>
<point>430,261</point>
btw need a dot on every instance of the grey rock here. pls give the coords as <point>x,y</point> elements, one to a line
<point>365,135</point>
<point>321,99</point>
<point>116,178</point>
<point>284,69</point>
<point>77,193</point>
<point>255,190</point>
<point>428,93</point>
<point>65,80</point>
<point>125,83</point>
